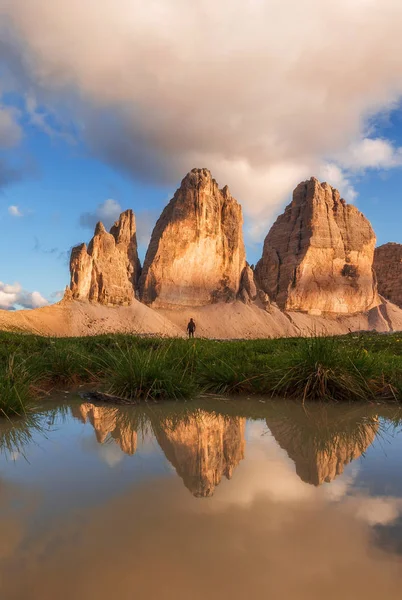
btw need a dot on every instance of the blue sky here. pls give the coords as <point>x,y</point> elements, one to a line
<point>104,109</point>
<point>65,183</point>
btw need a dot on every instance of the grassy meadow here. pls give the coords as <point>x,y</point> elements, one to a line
<point>357,367</point>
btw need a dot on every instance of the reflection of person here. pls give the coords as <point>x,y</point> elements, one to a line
<point>191,328</point>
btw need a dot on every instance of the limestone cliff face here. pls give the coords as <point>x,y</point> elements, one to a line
<point>107,271</point>
<point>318,458</point>
<point>318,255</point>
<point>388,269</point>
<point>203,449</point>
<point>196,254</point>
<point>109,421</point>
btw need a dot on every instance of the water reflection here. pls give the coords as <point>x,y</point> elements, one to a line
<point>297,519</point>
<point>323,439</point>
<point>202,447</point>
<point>110,421</point>
<point>205,446</point>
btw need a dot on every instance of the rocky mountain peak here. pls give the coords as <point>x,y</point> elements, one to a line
<point>107,271</point>
<point>196,254</point>
<point>318,255</point>
<point>124,229</point>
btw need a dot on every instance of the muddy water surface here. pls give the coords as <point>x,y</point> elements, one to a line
<point>210,500</point>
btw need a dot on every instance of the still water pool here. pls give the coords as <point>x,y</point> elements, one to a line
<point>220,499</point>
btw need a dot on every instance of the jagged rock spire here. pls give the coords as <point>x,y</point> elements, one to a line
<point>107,271</point>
<point>318,255</point>
<point>196,254</point>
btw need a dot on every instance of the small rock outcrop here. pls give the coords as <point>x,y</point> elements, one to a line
<point>248,289</point>
<point>388,269</point>
<point>203,449</point>
<point>107,271</point>
<point>196,254</point>
<point>318,255</point>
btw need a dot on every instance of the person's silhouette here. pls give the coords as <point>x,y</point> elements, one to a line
<point>191,328</point>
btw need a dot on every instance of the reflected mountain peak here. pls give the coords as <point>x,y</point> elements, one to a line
<point>108,421</point>
<point>203,449</point>
<point>322,448</point>
<point>205,446</point>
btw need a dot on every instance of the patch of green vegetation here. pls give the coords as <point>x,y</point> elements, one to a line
<point>16,392</point>
<point>320,369</point>
<point>148,374</point>
<point>355,367</point>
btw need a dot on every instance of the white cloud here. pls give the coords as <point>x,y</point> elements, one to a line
<point>14,211</point>
<point>261,99</point>
<point>108,212</point>
<point>58,295</point>
<point>371,153</point>
<point>13,296</point>
<point>334,175</point>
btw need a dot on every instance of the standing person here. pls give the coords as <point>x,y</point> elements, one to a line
<point>191,328</point>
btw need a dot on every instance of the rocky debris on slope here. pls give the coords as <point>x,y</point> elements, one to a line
<point>318,255</point>
<point>196,254</point>
<point>388,269</point>
<point>203,449</point>
<point>107,271</point>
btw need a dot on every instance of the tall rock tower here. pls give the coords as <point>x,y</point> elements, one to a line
<point>196,254</point>
<point>107,271</point>
<point>318,255</point>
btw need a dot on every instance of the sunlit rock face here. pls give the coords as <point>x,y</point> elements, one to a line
<point>196,254</point>
<point>109,421</point>
<point>320,456</point>
<point>318,255</point>
<point>388,269</point>
<point>203,448</point>
<point>107,271</point>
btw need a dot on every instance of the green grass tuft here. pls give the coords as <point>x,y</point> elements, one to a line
<point>320,369</point>
<point>16,393</point>
<point>155,374</point>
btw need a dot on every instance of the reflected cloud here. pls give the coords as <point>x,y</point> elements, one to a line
<point>307,551</point>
